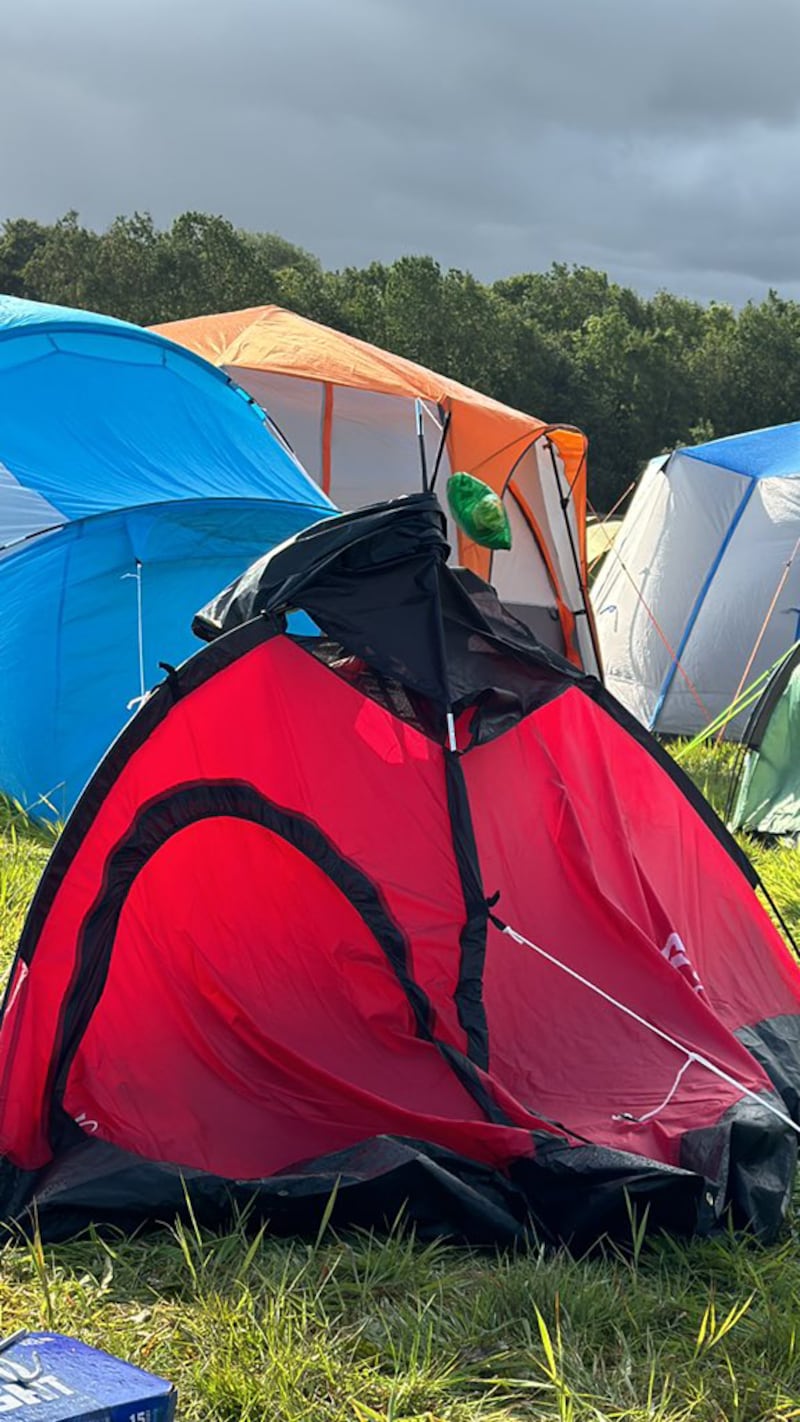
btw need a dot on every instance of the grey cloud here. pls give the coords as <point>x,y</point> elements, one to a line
<point>657,140</point>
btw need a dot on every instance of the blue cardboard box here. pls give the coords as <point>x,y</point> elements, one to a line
<point>45,1377</point>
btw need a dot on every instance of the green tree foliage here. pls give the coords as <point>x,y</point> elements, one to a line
<point>62,265</point>
<point>750,374</point>
<point>19,241</point>
<point>640,376</point>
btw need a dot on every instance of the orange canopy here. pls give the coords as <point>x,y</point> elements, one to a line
<point>486,438</point>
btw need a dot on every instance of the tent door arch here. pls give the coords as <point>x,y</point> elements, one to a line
<point>158,856</point>
<point>523,576</point>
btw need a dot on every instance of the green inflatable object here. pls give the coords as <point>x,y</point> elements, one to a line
<point>478,511</point>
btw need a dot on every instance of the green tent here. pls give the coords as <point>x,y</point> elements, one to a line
<point>766,789</point>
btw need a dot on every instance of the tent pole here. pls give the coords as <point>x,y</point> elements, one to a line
<point>451,732</point>
<point>136,701</point>
<point>565,502</point>
<point>441,449</point>
<point>421,440</point>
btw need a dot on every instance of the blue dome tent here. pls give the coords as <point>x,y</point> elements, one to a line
<point>135,479</point>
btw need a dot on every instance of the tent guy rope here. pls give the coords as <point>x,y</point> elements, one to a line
<point>602,522</point>
<point>690,1056</point>
<point>759,639</point>
<point>744,701</point>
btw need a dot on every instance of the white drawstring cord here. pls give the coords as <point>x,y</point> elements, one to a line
<point>649,1115</point>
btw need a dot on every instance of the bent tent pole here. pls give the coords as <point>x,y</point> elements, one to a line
<point>772,676</point>
<point>741,702</point>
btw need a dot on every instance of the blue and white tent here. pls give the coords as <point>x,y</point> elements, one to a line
<point>701,590</point>
<point>135,481</point>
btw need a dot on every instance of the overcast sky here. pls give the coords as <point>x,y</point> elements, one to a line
<point>657,139</point>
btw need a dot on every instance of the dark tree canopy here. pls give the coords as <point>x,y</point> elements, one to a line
<point>639,375</point>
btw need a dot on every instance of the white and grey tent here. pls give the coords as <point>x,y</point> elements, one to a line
<point>701,592</point>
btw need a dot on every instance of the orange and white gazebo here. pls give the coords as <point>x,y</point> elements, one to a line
<point>350,412</point>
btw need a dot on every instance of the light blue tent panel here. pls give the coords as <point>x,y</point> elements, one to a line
<point>771,453</point>
<point>135,482</point>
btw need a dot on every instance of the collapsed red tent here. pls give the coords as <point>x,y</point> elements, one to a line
<point>413,907</point>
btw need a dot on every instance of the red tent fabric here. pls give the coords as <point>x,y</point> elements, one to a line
<point>275,932</point>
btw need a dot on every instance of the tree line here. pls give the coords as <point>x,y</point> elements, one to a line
<point>639,375</point>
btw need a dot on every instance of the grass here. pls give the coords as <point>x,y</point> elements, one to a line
<point>377,1330</point>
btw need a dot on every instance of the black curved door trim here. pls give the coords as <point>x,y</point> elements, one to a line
<point>155,824</point>
<point>469,990</point>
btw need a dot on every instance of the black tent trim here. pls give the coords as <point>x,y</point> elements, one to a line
<point>769,698</point>
<point>565,1194</point>
<point>562,1195</point>
<point>469,989</point>
<point>155,824</point>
